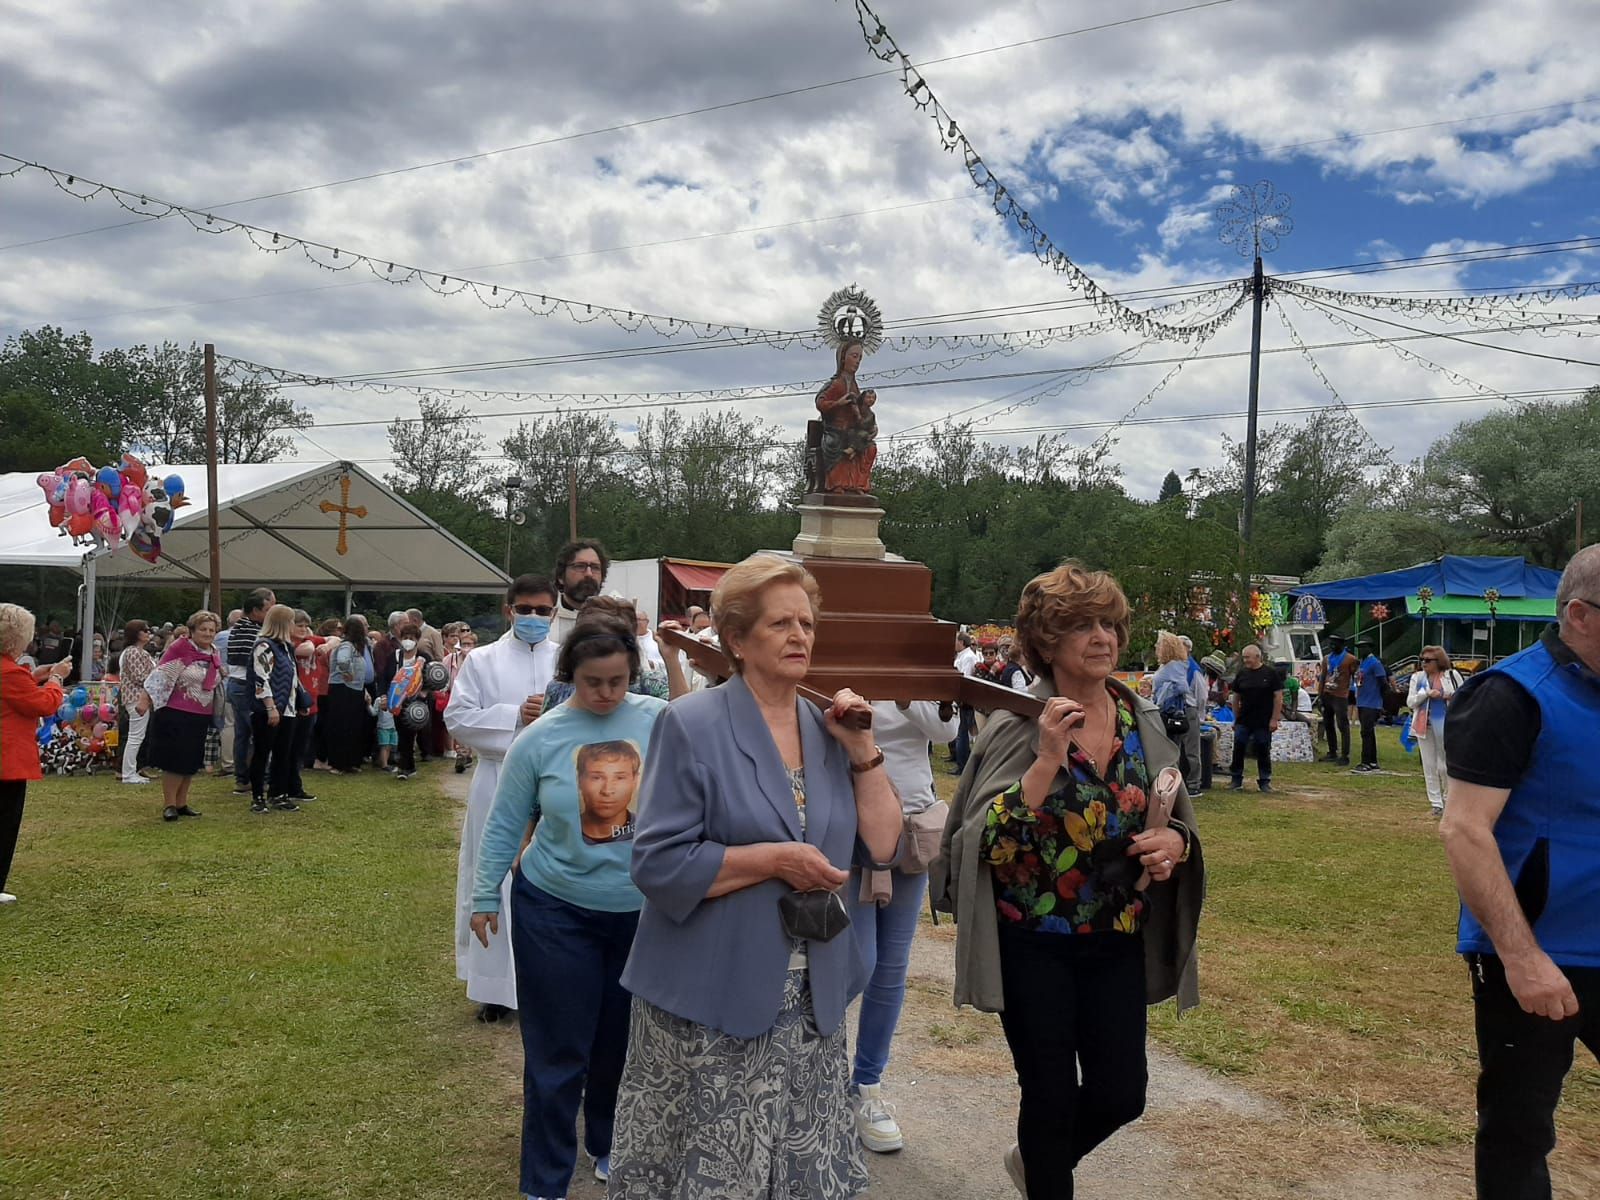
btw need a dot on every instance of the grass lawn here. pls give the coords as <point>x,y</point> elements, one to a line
<point>250,1006</point>
<point>1328,972</point>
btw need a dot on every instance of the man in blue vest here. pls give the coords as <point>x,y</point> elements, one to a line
<point>1522,831</point>
<point>1371,684</point>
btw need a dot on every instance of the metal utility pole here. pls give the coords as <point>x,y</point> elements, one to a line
<point>213,530</point>
<point>514,515</point>
<point>1253,219</point>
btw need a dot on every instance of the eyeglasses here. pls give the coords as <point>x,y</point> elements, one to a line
<point>532,610</point>
<point>588,568</point>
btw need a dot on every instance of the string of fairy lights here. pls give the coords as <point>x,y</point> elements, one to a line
<point>1192,318</point>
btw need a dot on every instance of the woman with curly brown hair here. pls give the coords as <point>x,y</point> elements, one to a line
<point>1077,899</point>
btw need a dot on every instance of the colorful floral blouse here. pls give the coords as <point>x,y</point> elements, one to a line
<point>1065,868</point>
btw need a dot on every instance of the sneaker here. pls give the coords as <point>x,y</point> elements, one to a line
<point>1195,795</point>
<point>169,813</point>
<point>186,811</point>
<point>489,1014</point>
<point>402,775</point>
<point>875,1121</point>
<point>461,766</point>
<point>1344,760</point>
<point>302,797</point>
<point>136,780</point>
<point>7,898</point>
<point>449,753</point>
<point>1013,1161</point>
<point>1236,786</point>
<point>1436,810</point>
<point>1366,768</point>
<point>241,789</point>
<point>602,1168</point>
<point>1265,785</point>
<point>1333,758</point>
<point>258,805</point>
<point>284,804</point>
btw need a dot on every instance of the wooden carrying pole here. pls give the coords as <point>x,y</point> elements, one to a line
<point>213,529</point>
<point>957,688</point>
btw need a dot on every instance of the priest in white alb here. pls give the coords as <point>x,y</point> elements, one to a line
<point>497,693</point>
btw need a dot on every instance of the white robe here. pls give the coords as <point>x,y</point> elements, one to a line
<point>488,691</point>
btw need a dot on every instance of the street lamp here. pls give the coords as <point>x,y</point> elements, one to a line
<point>514,514</point>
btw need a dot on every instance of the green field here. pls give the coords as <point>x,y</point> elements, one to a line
<point>266,1006</point>
<point>253,1006</point>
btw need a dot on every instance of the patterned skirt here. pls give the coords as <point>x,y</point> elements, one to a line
<point>705,1116</point>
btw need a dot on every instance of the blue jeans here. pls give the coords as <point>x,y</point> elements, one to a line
<point>574,1017</point>
<point>966,726</point>
<point>239,697</point>
<point>885,936</point>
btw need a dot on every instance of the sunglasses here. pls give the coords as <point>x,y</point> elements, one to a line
<point>533,610</point>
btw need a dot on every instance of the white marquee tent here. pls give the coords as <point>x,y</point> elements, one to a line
<point>281,526</point>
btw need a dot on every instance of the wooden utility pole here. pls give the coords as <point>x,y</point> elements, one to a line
<point>213,530</point>
<point>1579,546</point>
<point>572,501</point>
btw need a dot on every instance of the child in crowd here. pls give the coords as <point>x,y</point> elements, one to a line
<point>388,735</point>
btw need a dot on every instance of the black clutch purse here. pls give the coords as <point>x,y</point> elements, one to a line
<point>814,916</point>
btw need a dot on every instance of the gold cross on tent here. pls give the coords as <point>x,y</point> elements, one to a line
<point>345,512</point>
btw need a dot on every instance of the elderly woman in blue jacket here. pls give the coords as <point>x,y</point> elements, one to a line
<point>737,1082</point>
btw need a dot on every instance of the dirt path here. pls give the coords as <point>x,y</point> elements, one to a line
<point>955,1097</point>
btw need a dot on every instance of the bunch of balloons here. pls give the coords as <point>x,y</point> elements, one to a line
<point>81,732</point>
<point>112,505</point>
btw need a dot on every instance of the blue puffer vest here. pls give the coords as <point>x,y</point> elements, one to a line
<point>283,678</point>
<point>1549,832</point>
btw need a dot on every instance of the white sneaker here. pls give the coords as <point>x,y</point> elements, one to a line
<point>1013,1161</point>
<point>875,1121</point>
<point>7,898</point>
<point>135,779</point>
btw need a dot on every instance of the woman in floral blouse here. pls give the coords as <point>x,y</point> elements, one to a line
<point>1061,930</point>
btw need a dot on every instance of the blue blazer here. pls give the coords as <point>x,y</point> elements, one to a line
<point>714,779</point>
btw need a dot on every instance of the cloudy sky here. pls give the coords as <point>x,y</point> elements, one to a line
<point>1401,130</point>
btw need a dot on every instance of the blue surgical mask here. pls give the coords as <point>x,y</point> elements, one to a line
<point>532,630</point>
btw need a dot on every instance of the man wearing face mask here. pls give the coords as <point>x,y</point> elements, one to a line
<point>581,569</point>
<point>498,692</point>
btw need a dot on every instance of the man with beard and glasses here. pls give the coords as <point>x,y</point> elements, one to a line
<point>580,574</point>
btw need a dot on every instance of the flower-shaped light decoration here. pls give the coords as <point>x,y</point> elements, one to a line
<point>1424,599</point>
<point>1491,597</point>
<point>1254,219</point>
<point>1380,612</point>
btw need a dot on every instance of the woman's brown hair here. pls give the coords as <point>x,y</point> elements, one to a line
<point>1054,602</point>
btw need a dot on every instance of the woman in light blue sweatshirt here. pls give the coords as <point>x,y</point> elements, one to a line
<point>574,774</point>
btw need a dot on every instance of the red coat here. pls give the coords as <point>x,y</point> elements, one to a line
<point>22,703</point>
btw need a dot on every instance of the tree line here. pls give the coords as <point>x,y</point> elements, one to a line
<point>985,517</point>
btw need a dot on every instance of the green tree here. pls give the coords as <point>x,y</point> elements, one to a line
<point>1520,470</point>
<point>254,418</point>
<point>438,467</point>
<point>1171,488</point>
<point>59,399</point>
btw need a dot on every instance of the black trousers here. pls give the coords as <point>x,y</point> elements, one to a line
<point>1369,734</point>
<point>1074,1006</point>
<point>1522,1061</point>
<point>408,749</point>
<point>1244,739</point>
<point>12,794</point>
<point>272,759</point>
<point>299,754</point>
<point>1336,724</point>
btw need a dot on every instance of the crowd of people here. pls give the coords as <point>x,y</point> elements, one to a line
<point>678,879</point>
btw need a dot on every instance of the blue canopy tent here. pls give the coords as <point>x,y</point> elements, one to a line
<point>1458,582</point>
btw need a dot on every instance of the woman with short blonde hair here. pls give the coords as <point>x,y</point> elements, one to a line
<point>277,702</point>
<point>25,696</point>
<point>185,688</point>
<point>754,807</point>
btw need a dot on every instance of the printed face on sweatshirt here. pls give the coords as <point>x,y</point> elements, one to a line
<point>608,785</point>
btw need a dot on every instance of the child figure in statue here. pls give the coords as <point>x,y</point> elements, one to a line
<point>850,428</point>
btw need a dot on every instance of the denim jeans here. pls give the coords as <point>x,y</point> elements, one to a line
<point>240,700</point>
<point>574,1017</point>
<point>884,935</point>
<point>1245,740</point>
